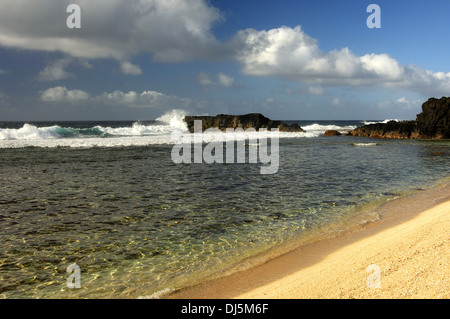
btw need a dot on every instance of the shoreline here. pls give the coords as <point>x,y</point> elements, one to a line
<point>409,243</point>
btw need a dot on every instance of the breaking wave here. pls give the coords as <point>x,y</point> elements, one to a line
<point>382,122</point>
<point>315,130</point>
<point>118,134</point>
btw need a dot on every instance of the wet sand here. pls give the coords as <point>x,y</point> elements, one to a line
<point>407,248</point>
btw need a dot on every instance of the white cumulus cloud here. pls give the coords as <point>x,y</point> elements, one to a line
<point>130,69</point>
<point>123,101</point>
<point>316,90</point>
<point>145,99</point>
<point>55,70</point>
<point>219,79</point>
<point>148,98</point>
<point>62,94</point>
<point>174,31</point>
<point>290,54</point>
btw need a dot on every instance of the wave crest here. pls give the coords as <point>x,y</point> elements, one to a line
<point>174,118</point>
<point>380,122</point>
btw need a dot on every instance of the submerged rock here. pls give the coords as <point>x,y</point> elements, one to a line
<point>253,120</point>
<point>332,133</point>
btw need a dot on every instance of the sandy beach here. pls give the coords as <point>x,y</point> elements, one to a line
<point>407,249</point>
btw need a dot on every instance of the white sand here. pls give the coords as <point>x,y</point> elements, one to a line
<point>410,250</point>
<point>413,259</point>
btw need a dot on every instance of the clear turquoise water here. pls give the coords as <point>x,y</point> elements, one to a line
<point>136,223</point>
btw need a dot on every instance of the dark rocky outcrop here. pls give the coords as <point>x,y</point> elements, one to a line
<point>253,120</point>
<point>432,123</point>
<point>392,129</point>
<point>332,133</point>
<point>283,127</point>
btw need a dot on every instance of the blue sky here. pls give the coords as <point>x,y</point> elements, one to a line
<point>138,59</point>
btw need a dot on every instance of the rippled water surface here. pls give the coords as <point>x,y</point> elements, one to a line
<point>136,223</point>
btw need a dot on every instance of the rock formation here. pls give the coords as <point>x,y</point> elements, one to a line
<point>392,129</point>
<point>253,120</point>
<point>432,123</point>
<point>332,133</point>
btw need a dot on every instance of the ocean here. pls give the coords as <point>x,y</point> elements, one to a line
<point>108,197</point>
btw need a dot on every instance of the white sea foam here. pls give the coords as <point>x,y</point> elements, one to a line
<point>87,142</point>
<point>137,129</point>
<point>382,122</point>
<point>315,130</point>
<point>174,118</point>
<point>157,294</point>
<point>162,131</point>
<point>365,144</point>
<point>29,132</point>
